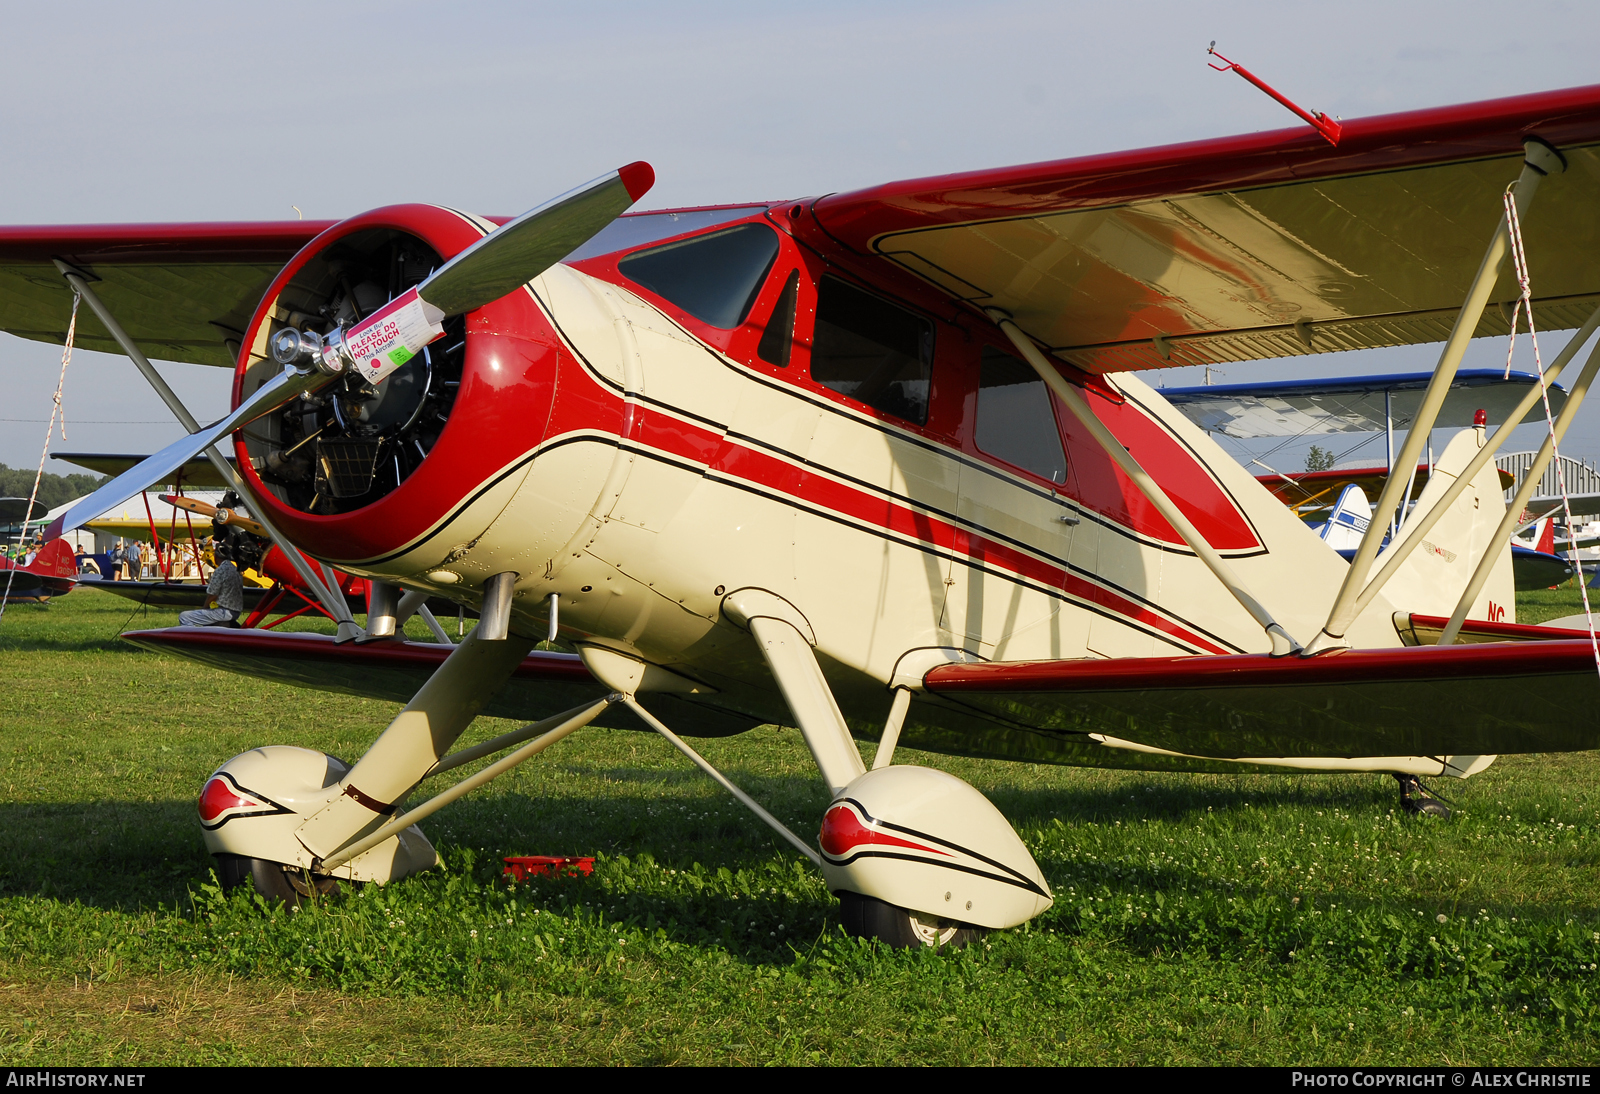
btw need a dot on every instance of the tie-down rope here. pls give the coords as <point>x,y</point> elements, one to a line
<point>56,411</point>
<point>1519,259</point>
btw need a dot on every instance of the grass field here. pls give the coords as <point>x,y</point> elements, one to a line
<point>1199,919</point>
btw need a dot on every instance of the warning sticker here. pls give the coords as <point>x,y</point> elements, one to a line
<point>391,336</point>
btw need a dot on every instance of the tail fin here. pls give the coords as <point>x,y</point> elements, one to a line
<point>55,559</point>
<point>1347,524</point>
<point>1436,573</point>
<point>1547,538</point>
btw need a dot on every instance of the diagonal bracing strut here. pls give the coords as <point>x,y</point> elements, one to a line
<point>1530,483</point>
<point>335,605</point>
<point>1282,641</point>
<point>1540,160</point>
<point>1418,527</point>
<point>548,733</point>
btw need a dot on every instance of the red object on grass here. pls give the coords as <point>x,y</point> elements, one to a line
<point>522,867</point>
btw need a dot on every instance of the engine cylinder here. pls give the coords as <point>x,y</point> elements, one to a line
<point>355,472</point>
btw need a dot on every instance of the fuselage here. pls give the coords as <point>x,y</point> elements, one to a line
<point>727,400</point>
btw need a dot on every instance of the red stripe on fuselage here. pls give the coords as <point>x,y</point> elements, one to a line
<point>724,455</point>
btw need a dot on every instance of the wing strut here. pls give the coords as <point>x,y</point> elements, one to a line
<point>1541,160</point>
<point>1417,527</point>
<point>334,605</point>
<point>1519,502</point>
<point>1282,641</point>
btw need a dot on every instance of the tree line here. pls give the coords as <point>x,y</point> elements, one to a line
<point>54,490</point>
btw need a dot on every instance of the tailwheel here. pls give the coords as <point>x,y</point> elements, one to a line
<point>1418,800</point>
<point>868,917</point>
<point>275,882</point>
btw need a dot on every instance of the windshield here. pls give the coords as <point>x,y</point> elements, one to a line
<point>635,230</point>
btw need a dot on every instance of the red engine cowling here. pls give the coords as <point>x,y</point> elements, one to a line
<point>276,565</point>
<point>356,473</point>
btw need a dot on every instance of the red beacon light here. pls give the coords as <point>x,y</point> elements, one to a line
<point>1480,419</point>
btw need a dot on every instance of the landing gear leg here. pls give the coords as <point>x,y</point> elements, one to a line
<point>1418,800</point>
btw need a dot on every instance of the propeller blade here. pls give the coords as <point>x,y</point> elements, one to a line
<point>526,247</point>
<point>512,255</point>
<point>507,257</point>
<point>287,385</point>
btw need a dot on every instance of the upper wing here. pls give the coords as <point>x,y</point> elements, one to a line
<point>186,292</point>
<point>12,510</point>
<point>183,292</point>
<point>198,472</point>
<point>1257,246</point>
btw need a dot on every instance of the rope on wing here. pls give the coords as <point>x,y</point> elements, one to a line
<point>56,411</point>
<point>1519,258</point>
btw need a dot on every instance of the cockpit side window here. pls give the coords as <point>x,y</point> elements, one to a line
<point>714,277</point>
<point>873,351</point>
<point>1015,420</point>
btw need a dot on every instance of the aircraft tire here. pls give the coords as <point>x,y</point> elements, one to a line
<point>1417,800</point>
<point>869,917</point>
<point>274,882</point>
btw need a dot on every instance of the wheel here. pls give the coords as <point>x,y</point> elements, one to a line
<point>1418,800</point>
<point>1426,807</point>
<point>274,882</point>
<point>869,917</point>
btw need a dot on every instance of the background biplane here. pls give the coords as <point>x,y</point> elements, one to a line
<point>1334,499</point>
<point>52,570</point>
<point>871,464</point>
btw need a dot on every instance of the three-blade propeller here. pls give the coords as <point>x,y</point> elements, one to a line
<point>512,255</point>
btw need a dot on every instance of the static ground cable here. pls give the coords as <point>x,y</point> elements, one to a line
<point>56,410</point>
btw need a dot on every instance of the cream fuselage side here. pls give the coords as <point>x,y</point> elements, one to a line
<point>884,542</point>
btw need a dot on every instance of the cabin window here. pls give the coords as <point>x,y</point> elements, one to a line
<point>1015,420</point>
<point>871,350</point>
<point>779,335</point>
<point>714,278</point>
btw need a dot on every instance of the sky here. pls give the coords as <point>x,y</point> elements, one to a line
<point>111,112</point>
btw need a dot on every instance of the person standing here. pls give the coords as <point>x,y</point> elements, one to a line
<point>224,600</point>
<point>119,559</point>
<point>135,561</point>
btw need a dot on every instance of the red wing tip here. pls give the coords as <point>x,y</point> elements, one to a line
<point>638,177</point>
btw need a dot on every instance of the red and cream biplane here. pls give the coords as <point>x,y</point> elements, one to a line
<point>872,464</point>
